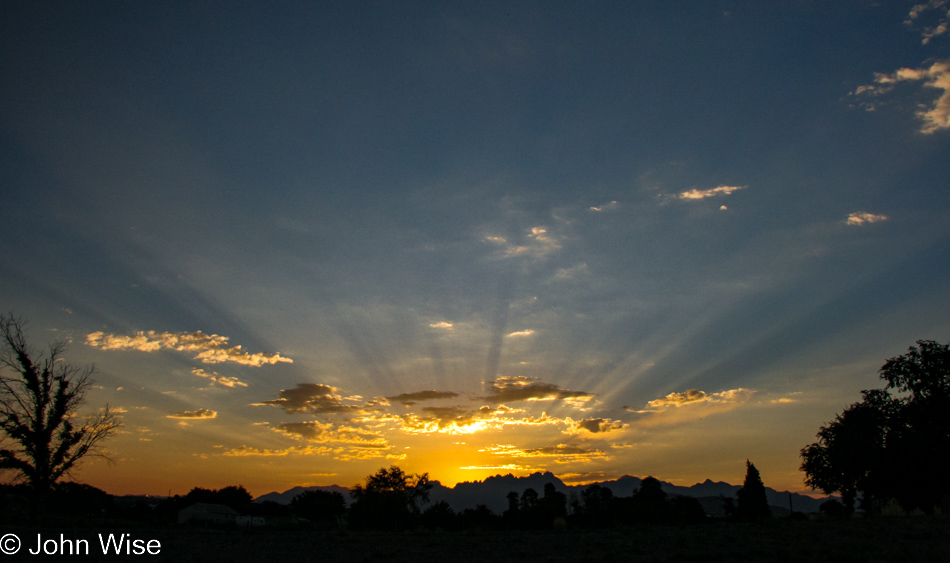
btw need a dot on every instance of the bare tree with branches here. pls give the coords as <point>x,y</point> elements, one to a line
<point>39,397</point>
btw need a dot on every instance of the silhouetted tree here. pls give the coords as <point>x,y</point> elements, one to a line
<point>554,503</point>
<point>320,507</point>
<point>687,510</point>
<point>390,499</point>
<point>752,502</point>
<point>440,516</point>
<point>512,516</point>
<point>888,447</point>
<point>596,507</point>
<point>234,496</point>
<point>479,518</point>
<point>38,404</point>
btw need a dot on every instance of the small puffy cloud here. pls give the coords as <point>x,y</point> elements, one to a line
<point>605,206</point>
<point>442,325</point>
<point>935,115</point>
<point>219,379</point>
<point>210,349</point>
<point>409,399</point>
<point>861,218</point>
<point>508,389</point>
<point>200,414</point>
<point>712,192</point>
<point>936,22</point>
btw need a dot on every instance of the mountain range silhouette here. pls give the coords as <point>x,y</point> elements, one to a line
<point>492,493</point>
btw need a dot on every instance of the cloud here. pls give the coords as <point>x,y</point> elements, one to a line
<point>605,206</point>
<point>677,399</point>
<point>942,17</point>
<point>861,217</point>
<point>441,324</point>
<point>936,115</point>
<point>323,433</point>
<point>247,451</point>
<point>561,453</point>
<point>539,243</point>
<point>219,379</point>
<point>460,420</point>
<point>312,398</point>
<point>527,332</point>
<point>211,349</point>
<point>571,273</point>
<point>509,389</point>
<point>594,425</point>
<point>200,414</point>
<point>690,405</point>
<point>409,399</point>
<point>712,192</point>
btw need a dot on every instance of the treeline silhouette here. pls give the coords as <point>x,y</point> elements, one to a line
<point>390,500</point>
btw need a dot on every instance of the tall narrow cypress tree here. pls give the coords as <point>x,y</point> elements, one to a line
<point>752,503</point>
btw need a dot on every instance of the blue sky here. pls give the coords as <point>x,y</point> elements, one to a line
<point>628,238</point>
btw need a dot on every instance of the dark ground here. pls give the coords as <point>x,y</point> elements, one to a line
<point>878,539</point>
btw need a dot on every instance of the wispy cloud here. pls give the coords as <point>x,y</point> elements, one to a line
<point>441,324</point>
<point>605,206</point>
<point>938,21</point>
<point>325,433</point>
<point>527,332</point>
<point>861,218</point>
<point>712,192</point>
<point>219,379</point>
<point>211,349</point>
<point>200,414</point>
<point>560,453</point>
<point>538,244</point>
<point>571,273</point>
<point>936,115</point>
<point>247,451</point>
<point>689,405</point>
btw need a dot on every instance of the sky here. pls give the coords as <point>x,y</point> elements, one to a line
<point>303,241</point>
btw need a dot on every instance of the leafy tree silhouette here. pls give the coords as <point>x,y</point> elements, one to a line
<point>752,503</point>
<point>323,508</point>
<point>234,496</point>
<point>390,499</point>
<point>38,405</point>
<point>890,447</point>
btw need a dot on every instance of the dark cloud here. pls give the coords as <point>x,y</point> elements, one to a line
<point>409,399</point>
<point>596,425</point>
<point>312,398</point>
<point>508,389</point>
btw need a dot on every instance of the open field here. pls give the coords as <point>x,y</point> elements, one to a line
<point>880,539</point>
